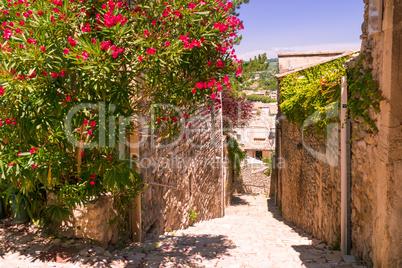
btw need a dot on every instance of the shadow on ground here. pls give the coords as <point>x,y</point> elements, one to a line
<point>189,250</point>
<point>237,200</point>
<point>317,255</point>
<point>32,243</point>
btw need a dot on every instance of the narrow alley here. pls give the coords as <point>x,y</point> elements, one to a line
<point>252,234</point>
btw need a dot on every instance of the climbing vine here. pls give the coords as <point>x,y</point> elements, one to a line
<point>312,90</point>
<point>364,94</point>
<point>236,156</point>
<point>308,94</point>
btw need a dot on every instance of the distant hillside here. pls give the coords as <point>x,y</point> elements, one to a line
<point>265,79</point>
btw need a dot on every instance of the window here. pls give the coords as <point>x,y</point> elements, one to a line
<point>258,155</point>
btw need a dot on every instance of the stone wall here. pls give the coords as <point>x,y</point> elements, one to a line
<point>377,158</point>
<point>253,178</point>
<point>92,221</point>
<point>308,190</point>
<point>183,176</point>
<point>311,188</point>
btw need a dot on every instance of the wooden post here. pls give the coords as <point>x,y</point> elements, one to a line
<point>136,208</point>
<point>345,172</point>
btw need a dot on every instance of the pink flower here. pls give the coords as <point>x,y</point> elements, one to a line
<point>151,51</point>
<point>62,73</point>
<point>71,41</point>
<point>92,182</point>
<point>90,132</point>
<point>93,41</point>
<point>219,64</point>
<point>213,96</point>
<point>40,13</point>
<point>7,33</point>
<point>159,121</point>
<point>226,79</point>
<point>115,54</point>
<point>43,49</point>
<point>87,28</point>
<point>22,23</point>
<point>93,177</point>
<point>56,10</point>
<point>167,44</point>
<point>146,32</point>
<point>93,124</point>
<point>44,73</point>
<point>85,122</point>
<point>52,19</point>
<point>194,91</point>
<point>218,86</point>
<point>19,154</point>
<point>105,45</point>
<point>82,153</point>
<point>85,55</point>
<point>54,75</point>
<point>1,91</point>
<point>35,166</point>
<point>140,58</point>
<point>239,71</point>
<point>66,51</point>
<point>200,85</point>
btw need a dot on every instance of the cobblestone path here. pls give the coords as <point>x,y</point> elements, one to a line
<point>252,234</point>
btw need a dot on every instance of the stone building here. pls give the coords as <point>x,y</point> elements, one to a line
<point>256,139</point>
<point>308,190</point>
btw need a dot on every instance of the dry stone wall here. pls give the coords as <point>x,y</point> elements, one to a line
<point>182,177</point>
<point>311,188</point>
<point>253,178</point>
<point>92,221</point>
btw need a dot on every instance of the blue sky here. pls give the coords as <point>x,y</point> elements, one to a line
<point>275,26</point>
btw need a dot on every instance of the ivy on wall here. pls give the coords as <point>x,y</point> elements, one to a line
<point>312,90</point>
<point>308,94</point>
<point>236,156</point>
<point>364,95</point>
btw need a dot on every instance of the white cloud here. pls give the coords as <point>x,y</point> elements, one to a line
<point>273,52</point>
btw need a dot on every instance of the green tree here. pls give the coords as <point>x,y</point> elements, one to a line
<point>259,63</point>
<point>260,98</point>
